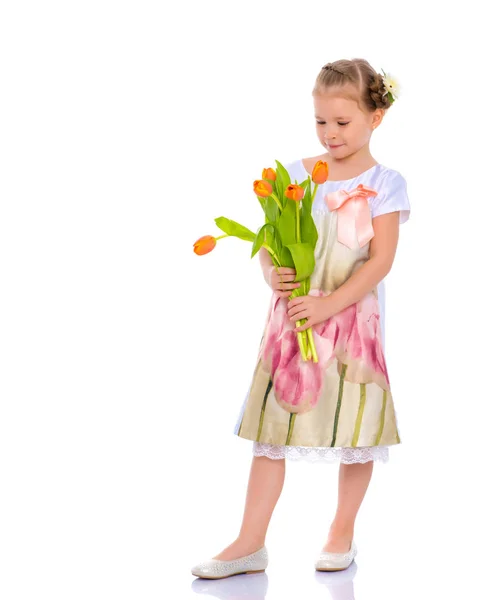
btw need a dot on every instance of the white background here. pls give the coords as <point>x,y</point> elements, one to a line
<point>126,128</point>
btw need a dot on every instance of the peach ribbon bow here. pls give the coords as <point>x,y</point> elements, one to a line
<point>354,216</point>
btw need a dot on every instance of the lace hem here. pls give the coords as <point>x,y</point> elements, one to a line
<point>317,454</point>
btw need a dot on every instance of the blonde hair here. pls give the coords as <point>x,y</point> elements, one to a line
<point>355,80</point>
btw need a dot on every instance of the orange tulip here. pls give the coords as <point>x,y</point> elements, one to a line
<point>320,172</point>
<point>262,188</point>
<point>269,174</point>
<point>294,192</point>
<point>204,245</point>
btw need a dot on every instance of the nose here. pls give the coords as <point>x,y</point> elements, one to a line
<point>330,135</point>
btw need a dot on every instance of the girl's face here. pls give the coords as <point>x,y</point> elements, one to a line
<point>342,127</point>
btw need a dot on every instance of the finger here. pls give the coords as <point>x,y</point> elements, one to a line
<point>285,277</point>
<point>289,286</point>
<point>303,327</point>
<point>286,270</point>
<point>283,294</point>
<point>297,300</point>
<point>297,314</point>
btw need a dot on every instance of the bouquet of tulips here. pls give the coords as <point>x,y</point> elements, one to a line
<point>289,233</point>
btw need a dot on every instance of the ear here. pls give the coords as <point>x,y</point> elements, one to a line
<point>378,117</point>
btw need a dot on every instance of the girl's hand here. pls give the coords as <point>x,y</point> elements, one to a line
<point>315,309</point>
<point>281,280</point>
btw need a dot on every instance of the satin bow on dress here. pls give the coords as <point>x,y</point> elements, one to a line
<point>354,215</point>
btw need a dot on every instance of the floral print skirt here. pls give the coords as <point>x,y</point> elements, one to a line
<point>339,408</point>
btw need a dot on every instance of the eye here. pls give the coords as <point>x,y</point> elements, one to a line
<point>322,123</point>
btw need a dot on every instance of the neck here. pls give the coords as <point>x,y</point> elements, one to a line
<point>360,157</point>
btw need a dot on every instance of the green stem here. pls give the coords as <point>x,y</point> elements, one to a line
<point>338,407</point>
<point>298,237</point>
<point>309,332</point>
<point>302,347</point>
<point>263,408</point>
<point>383,414</point>
<point>359,418</point>
<point>222,236</point>
<point>271,251</point>
<point>275,198</point>
<point>306,341</point>
<point>292,418</point>
<point>314,192</point>
<point>301,335</point>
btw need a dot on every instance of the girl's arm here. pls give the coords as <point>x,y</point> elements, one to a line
<point>283,283</point>
<point>266,263</point>
<point>382,250</point>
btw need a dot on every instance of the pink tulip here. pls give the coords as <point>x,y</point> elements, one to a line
<point>351,336</point>
<point>356,338</point>
<point>297,383</point>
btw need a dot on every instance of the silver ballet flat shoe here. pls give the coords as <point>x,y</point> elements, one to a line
<point>336,561</point>
<point>217,569</point>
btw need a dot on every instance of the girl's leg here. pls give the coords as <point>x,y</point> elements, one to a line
<point>353,482</point>
<point>264,488</point>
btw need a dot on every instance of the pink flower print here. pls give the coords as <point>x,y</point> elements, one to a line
<point>356,338</point>
<point>297,383</point>
<point>272,330</point>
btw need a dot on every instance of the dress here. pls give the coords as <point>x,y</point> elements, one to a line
<point>340,408</point>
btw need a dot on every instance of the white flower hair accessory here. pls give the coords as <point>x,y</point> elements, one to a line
<point>392,86</point>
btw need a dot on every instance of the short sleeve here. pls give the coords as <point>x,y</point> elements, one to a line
<point>392,196</point>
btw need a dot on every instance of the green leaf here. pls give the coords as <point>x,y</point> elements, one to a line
<point>278,244</point>
<point>305,286</point>
<point>309,232</point>
<point>265,234</point>
<point>261,201</point>
<point>271,237</point>
<point>286,258</point>
<point>271,209</point>
<point>287,223</point>
<point>282,181</point>
<point>259,239</point>
<point>306,202</point>
<point>303,259</point>
<point>236,229</point>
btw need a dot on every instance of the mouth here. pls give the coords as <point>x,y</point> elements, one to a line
<point>337,146</point>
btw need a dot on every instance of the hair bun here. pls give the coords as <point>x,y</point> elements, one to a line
<point>366,86</point>
<point>379,92</point>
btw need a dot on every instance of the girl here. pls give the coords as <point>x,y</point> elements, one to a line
<point>341,407</point>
